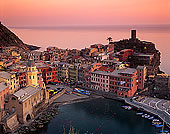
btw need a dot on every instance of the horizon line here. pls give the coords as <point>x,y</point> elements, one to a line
<point>95,26</point>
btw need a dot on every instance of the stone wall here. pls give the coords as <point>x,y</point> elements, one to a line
<point>12,122</point>
<point>56,96</point>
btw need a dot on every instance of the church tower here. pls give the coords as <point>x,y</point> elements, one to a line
<point>32,74</point>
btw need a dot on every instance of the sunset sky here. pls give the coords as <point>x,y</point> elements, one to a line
<point>84,12</point>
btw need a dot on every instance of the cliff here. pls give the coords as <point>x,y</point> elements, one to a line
<point>8,38</point>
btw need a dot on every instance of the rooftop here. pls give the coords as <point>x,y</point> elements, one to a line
<point>144,55</point>
<point>26,93</point>
<point>140,67</point>
<point>5,75</point>
<point>3,86</point>
<point>116,72</point>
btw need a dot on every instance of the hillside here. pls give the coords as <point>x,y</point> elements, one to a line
<point>8,38</point>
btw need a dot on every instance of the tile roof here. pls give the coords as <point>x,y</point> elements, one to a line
<point>5,75</point>
<point>26,93</point>
<point>3,86</point>
<point>116,72</point>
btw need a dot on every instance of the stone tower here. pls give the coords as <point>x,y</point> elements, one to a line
<point>32,74</point>
<point>133,34</point>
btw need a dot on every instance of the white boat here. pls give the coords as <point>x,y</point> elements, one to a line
<point>155,120</point>
<point>147,116</point>
<point>150,118</point>
<point>139,113</point>
<point>144,115</point>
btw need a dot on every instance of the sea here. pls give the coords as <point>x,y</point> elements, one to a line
<point>83,36</point>
<point>98,116</point>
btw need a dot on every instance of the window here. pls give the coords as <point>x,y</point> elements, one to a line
<point>33,76</point>
<point>30,77</point>
<point>13,98</point>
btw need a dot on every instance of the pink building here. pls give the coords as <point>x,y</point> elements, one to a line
<point>100,80</point>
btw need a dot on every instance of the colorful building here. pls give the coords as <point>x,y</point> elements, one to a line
<point>73,72</point>
<point>4,91</point>
<point>121,82</point>
<point>142,72</point>
<point>124,82</point>
<point>49,73</point>
<point>22,79</point>
<point>100,80</point>
<point>11,79</point>
<point>32,74</point>
<point>124,54</point>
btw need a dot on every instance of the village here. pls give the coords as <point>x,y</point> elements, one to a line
<point>34,80</point>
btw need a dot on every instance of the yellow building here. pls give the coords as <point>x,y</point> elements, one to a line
<point>1,64</point>
<point>92,50</point>
<point>18,58</point>
<point>32,74</point>
<point>11,79</point>
<point>14,53</point>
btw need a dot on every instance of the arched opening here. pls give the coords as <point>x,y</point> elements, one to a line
<point>125,96</point>
<point>28,117</point>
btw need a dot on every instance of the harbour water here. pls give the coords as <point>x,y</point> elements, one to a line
<point>99,116</point>
<point>81,37</point>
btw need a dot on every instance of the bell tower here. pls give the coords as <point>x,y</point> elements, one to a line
<point>32,74</point>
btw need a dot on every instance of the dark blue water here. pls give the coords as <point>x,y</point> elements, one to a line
<point>99,116</point>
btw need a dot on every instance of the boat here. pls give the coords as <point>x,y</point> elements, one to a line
<point>150,118</point>
<point>159,125</point>
<point>139,113</point>
<point>147,116</point>
<point>164,131</point>
<point>155,120</point>
<point>144,115</point>
<point>127,107</point>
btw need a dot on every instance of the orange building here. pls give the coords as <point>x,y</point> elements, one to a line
<point>123,82</point>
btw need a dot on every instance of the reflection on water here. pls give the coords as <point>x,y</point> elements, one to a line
<point>80,37</point>
<point>100,116</point>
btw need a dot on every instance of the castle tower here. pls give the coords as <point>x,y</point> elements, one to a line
<point>31,74</point>
<point>133,34</point>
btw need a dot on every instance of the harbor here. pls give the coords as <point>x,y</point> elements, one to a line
<point>99,116</point>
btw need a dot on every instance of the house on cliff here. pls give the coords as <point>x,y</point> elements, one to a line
<point>145,53</point>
